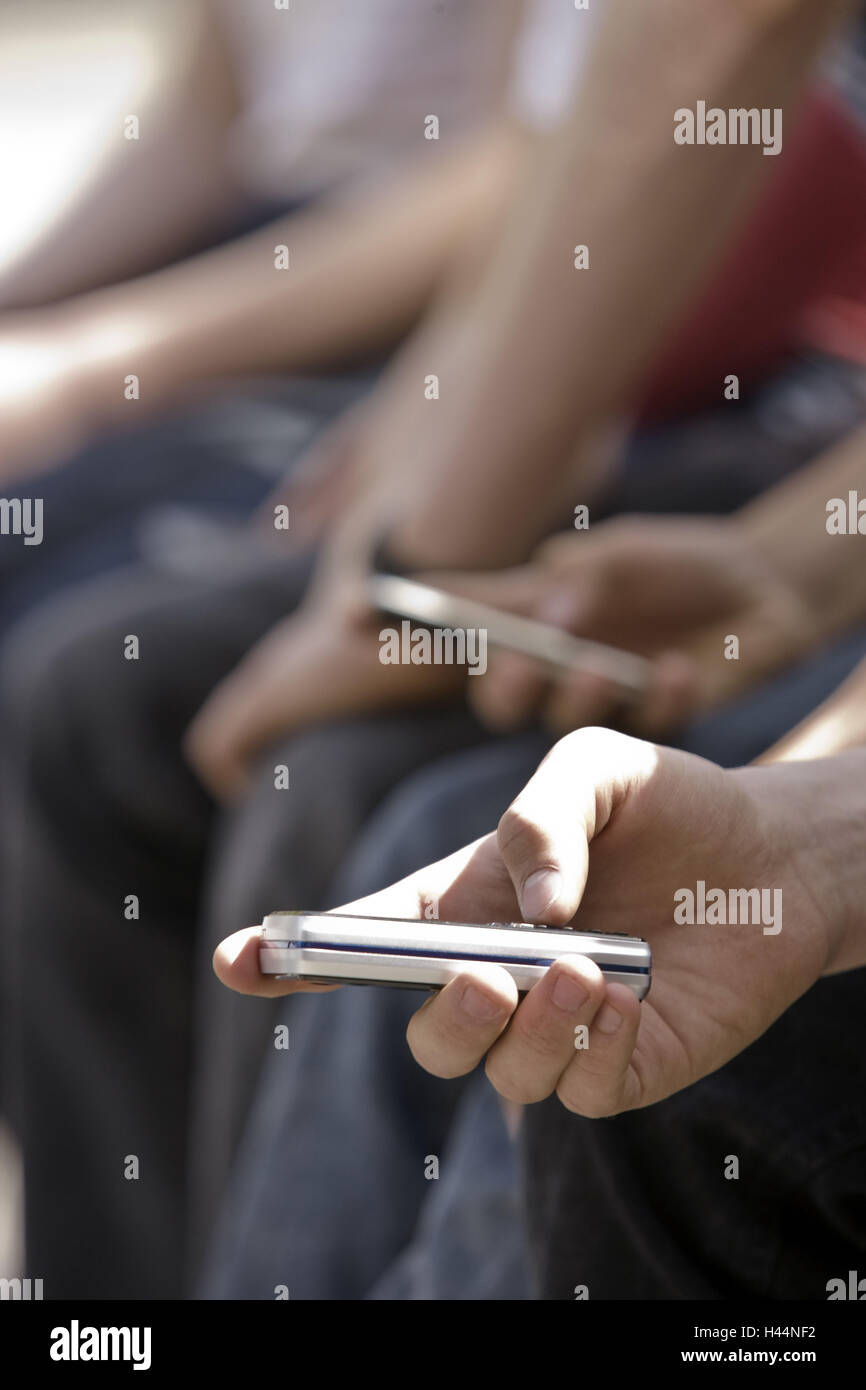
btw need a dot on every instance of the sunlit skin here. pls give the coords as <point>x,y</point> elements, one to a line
<point>839,722</point>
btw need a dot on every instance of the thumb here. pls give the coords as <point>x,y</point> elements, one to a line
<point>545,834</point>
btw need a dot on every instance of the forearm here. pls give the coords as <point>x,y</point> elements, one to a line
<point>835,726</point>
<point>818,793</point>
<point>131,205</point>
<point>821,556</point>
<point>554,350</point>
<point>359,274</point>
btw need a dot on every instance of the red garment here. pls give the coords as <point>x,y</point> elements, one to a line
<point>795,278</point>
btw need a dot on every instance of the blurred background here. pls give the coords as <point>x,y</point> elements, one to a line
<point>154,156</point>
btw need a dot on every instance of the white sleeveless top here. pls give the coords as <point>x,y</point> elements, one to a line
<point>337,89</point>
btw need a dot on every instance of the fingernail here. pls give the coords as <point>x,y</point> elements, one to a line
<point>479,1006</point>
<point>607,1019</point>
<point>540,892</point>
<point>569,994</point>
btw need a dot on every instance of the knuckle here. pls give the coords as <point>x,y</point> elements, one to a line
<point>575,744</point>
<point>592,1105</point>
<point>425,1046</point>
<point>518,831</point>
<point>443,1041</point>
<point>622,533</point>
<point>542,1040</point>
<point>587,748</point>
<point>523,1090</point>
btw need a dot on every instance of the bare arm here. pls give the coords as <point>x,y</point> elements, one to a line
<point>548,351</point>
<point>838,724</point>
<point>794,527</point>
<point>129,204</point>
<point>359,273</point>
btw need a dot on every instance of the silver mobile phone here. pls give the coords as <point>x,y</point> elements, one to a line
<point>338,948</point>
<point>551,646</point>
